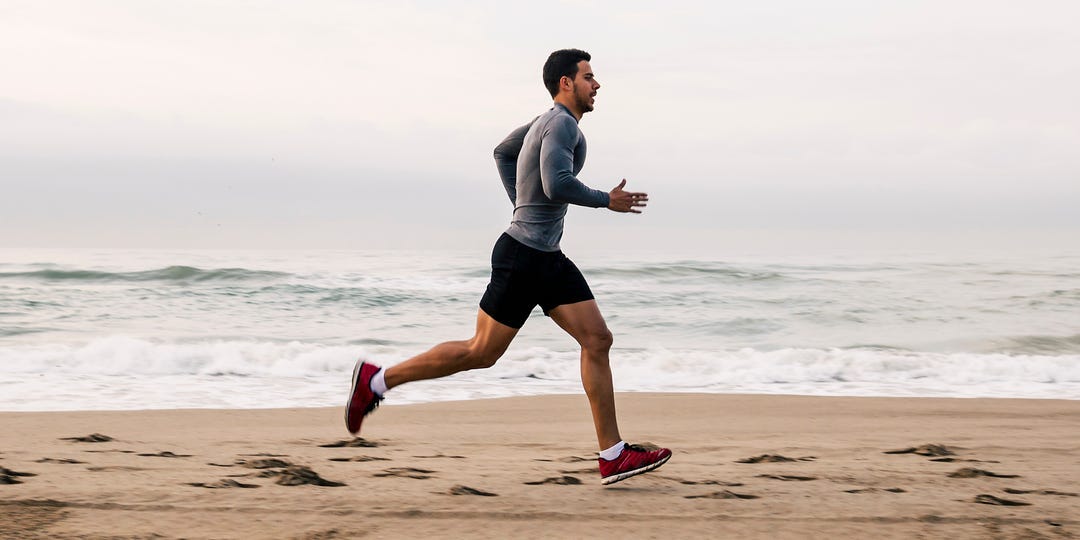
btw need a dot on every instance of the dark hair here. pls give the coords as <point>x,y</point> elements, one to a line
<point>562,63</point>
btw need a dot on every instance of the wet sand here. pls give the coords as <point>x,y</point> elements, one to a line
<point>746,466</point>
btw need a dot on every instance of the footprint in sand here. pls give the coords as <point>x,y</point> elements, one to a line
<point>91,438</point>
<point>439,456</point>
<point>773,458</point>
<point>930,449</point>
<point>788,477</point>
<point>466,490</point>
<point>223,483</point>
<point>359,458</point>
<point>970,472</point>
<point>725,494</point>
<point>1040,492</point>
<point>556,480</point>
<point>165,454</point>
<point>990,499</point>
<point>115,468</point>
<point>405,472</point>
<point>66,461</point>
<point>8,476</point>
<point>358,442</point>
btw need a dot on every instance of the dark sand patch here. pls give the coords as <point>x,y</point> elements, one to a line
<point>439,456</point>
<point>8,476</point>
<point>360,459</point>
<point>925,450</point>
<point>708,483</point>
<point>788,477</point>
<point>1040,492</point>
<point>298,475</point>
<point>873,490</point>
<point>24,518</point>
<point>263,463</point>
<point>950,460</point>
<point>587,470</point>
<point>91,438</point>
<point>773,458</point>
<point>110,451</point>
<point>65,461</point>
<point>115,468</point>
<point>557,480</point>
<point>466,490</point>
<point>725,494</point>
<point>223,483</point>
<point>990,499</point>
<point>358,442</point>
<point>405,472</point>
<point>166,454</point>
<point>971,472</point>
<point>568,459</point>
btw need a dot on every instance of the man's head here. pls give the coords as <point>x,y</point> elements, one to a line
<point>569,78</point>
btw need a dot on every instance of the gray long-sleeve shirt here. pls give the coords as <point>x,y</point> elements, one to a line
<point>538,164</point>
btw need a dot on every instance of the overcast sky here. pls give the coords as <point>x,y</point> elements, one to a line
<point>355,124</point>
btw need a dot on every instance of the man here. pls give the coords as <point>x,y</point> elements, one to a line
<point>538,163</point>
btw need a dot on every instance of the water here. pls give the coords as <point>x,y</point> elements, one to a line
<point>113,329</point>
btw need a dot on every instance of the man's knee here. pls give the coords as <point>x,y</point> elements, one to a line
<point>598,341</point>
<point>481,357</point>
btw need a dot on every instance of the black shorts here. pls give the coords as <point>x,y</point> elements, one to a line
<point>523,277</point>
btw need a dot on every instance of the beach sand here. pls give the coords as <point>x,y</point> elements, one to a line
<point>525,467</point>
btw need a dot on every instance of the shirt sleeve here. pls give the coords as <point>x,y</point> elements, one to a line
<point>506,156</point>
<point>557,167</point>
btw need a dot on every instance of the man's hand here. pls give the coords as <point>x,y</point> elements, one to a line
<point>626,201</point>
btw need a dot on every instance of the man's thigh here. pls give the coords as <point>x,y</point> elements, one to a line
<point>580,319</point>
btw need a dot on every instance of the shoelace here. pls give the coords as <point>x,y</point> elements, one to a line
<point>374,404</point>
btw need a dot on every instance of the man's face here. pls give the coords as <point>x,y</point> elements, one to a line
<point>585,87</point>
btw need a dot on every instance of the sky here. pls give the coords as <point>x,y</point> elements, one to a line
<point>355,124</point>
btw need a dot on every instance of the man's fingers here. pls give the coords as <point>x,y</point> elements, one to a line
<point>621,184</point>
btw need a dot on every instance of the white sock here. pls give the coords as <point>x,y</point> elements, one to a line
<point>378,382</point>
<point>613,452</point>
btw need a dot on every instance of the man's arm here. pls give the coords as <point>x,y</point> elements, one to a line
<point>506,155</point>
<point>557,167</point>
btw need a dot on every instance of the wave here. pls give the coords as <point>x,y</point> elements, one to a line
<point>1041,345</point>
<point>686,270</point>
<point>167,274</point>
<point>651,367</point>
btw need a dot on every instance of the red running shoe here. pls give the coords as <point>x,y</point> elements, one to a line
<point>633,460</point>
<point>362,400</point>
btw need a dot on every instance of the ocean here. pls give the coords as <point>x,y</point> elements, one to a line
<point>148,329</point>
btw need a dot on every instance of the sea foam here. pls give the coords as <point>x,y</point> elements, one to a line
<point>121,372</point>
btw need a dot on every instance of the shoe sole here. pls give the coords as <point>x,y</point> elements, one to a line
<point>352,393</point>
<point>623,476</point>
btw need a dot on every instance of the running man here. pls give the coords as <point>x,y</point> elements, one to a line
<point>538,163</point>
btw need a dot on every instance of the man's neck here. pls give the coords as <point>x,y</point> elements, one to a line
<point>570,106</point>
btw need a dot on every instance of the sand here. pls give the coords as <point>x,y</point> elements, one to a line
<point>744,466</point>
